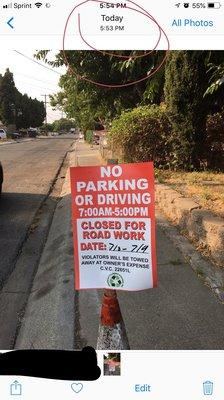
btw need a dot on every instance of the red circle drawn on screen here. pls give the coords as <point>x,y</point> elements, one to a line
<point>107,85</point>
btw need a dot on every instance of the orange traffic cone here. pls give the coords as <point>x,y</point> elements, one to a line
<point>112,333</point>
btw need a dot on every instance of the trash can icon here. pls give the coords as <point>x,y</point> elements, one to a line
<point>208,388</point>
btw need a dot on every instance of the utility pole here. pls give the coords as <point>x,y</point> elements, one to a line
<point>45,104</point>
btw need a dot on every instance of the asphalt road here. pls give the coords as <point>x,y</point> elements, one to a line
<point>29,170</point>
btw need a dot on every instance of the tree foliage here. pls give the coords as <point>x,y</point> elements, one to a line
<point>60,126</point>
<point>88,103</point>
<point>8,98</point>
<point>185,85</point>
<point>190,84</point>
<point>63,125</point>
<point>16,108</point>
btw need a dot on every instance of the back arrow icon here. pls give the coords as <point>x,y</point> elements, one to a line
<point>9,22</point>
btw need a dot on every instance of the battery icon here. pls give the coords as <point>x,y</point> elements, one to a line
<point>216,5</point>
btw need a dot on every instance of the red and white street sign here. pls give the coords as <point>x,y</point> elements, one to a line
<point>113,213</point>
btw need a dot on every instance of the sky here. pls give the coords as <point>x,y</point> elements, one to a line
<point>31,78</point>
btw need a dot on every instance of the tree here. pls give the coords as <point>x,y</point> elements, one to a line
<point>47,127</point>
<point>8,94</point>
<point>185,85</point>
<point>37,112</point>
<point>29,112</point>
<point>63,124</point>
<point>16,108</point>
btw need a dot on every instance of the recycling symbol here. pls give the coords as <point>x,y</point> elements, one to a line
<point>115,281</point>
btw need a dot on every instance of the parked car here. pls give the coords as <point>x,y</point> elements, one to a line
<point>3,134</point>
<point>1,178</point>
<point>32,132</point>
<point>16,135</point>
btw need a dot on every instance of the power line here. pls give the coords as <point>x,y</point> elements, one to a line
<point>35,79</point>
<point>44,66</point>
<point>35,86</point>
<point>37,62</point>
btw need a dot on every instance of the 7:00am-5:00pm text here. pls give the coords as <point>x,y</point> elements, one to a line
<point>113,212</point>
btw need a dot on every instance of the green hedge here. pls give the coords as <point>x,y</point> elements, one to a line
<point>143,134</point>
<point>89,136</point>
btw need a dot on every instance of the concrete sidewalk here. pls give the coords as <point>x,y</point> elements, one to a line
<point>181,313</point>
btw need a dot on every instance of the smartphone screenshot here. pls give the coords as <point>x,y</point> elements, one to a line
<point>111,199</point>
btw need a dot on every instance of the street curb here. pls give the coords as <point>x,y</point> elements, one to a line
<point>205,238</point>
<point>16,141</point>
<point>203,227</point>
<point>207,272</point>
<point>49,317</point>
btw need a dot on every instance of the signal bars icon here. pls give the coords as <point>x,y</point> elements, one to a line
<point>7,5</point>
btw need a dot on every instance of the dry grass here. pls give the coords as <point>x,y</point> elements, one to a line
<point>206,188</point>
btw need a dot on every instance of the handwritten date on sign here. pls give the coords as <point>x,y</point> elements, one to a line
<point>114,247</point>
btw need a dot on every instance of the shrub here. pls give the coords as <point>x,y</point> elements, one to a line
<point>143,134</point>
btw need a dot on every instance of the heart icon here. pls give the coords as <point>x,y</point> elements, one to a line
<point>77,387</point>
